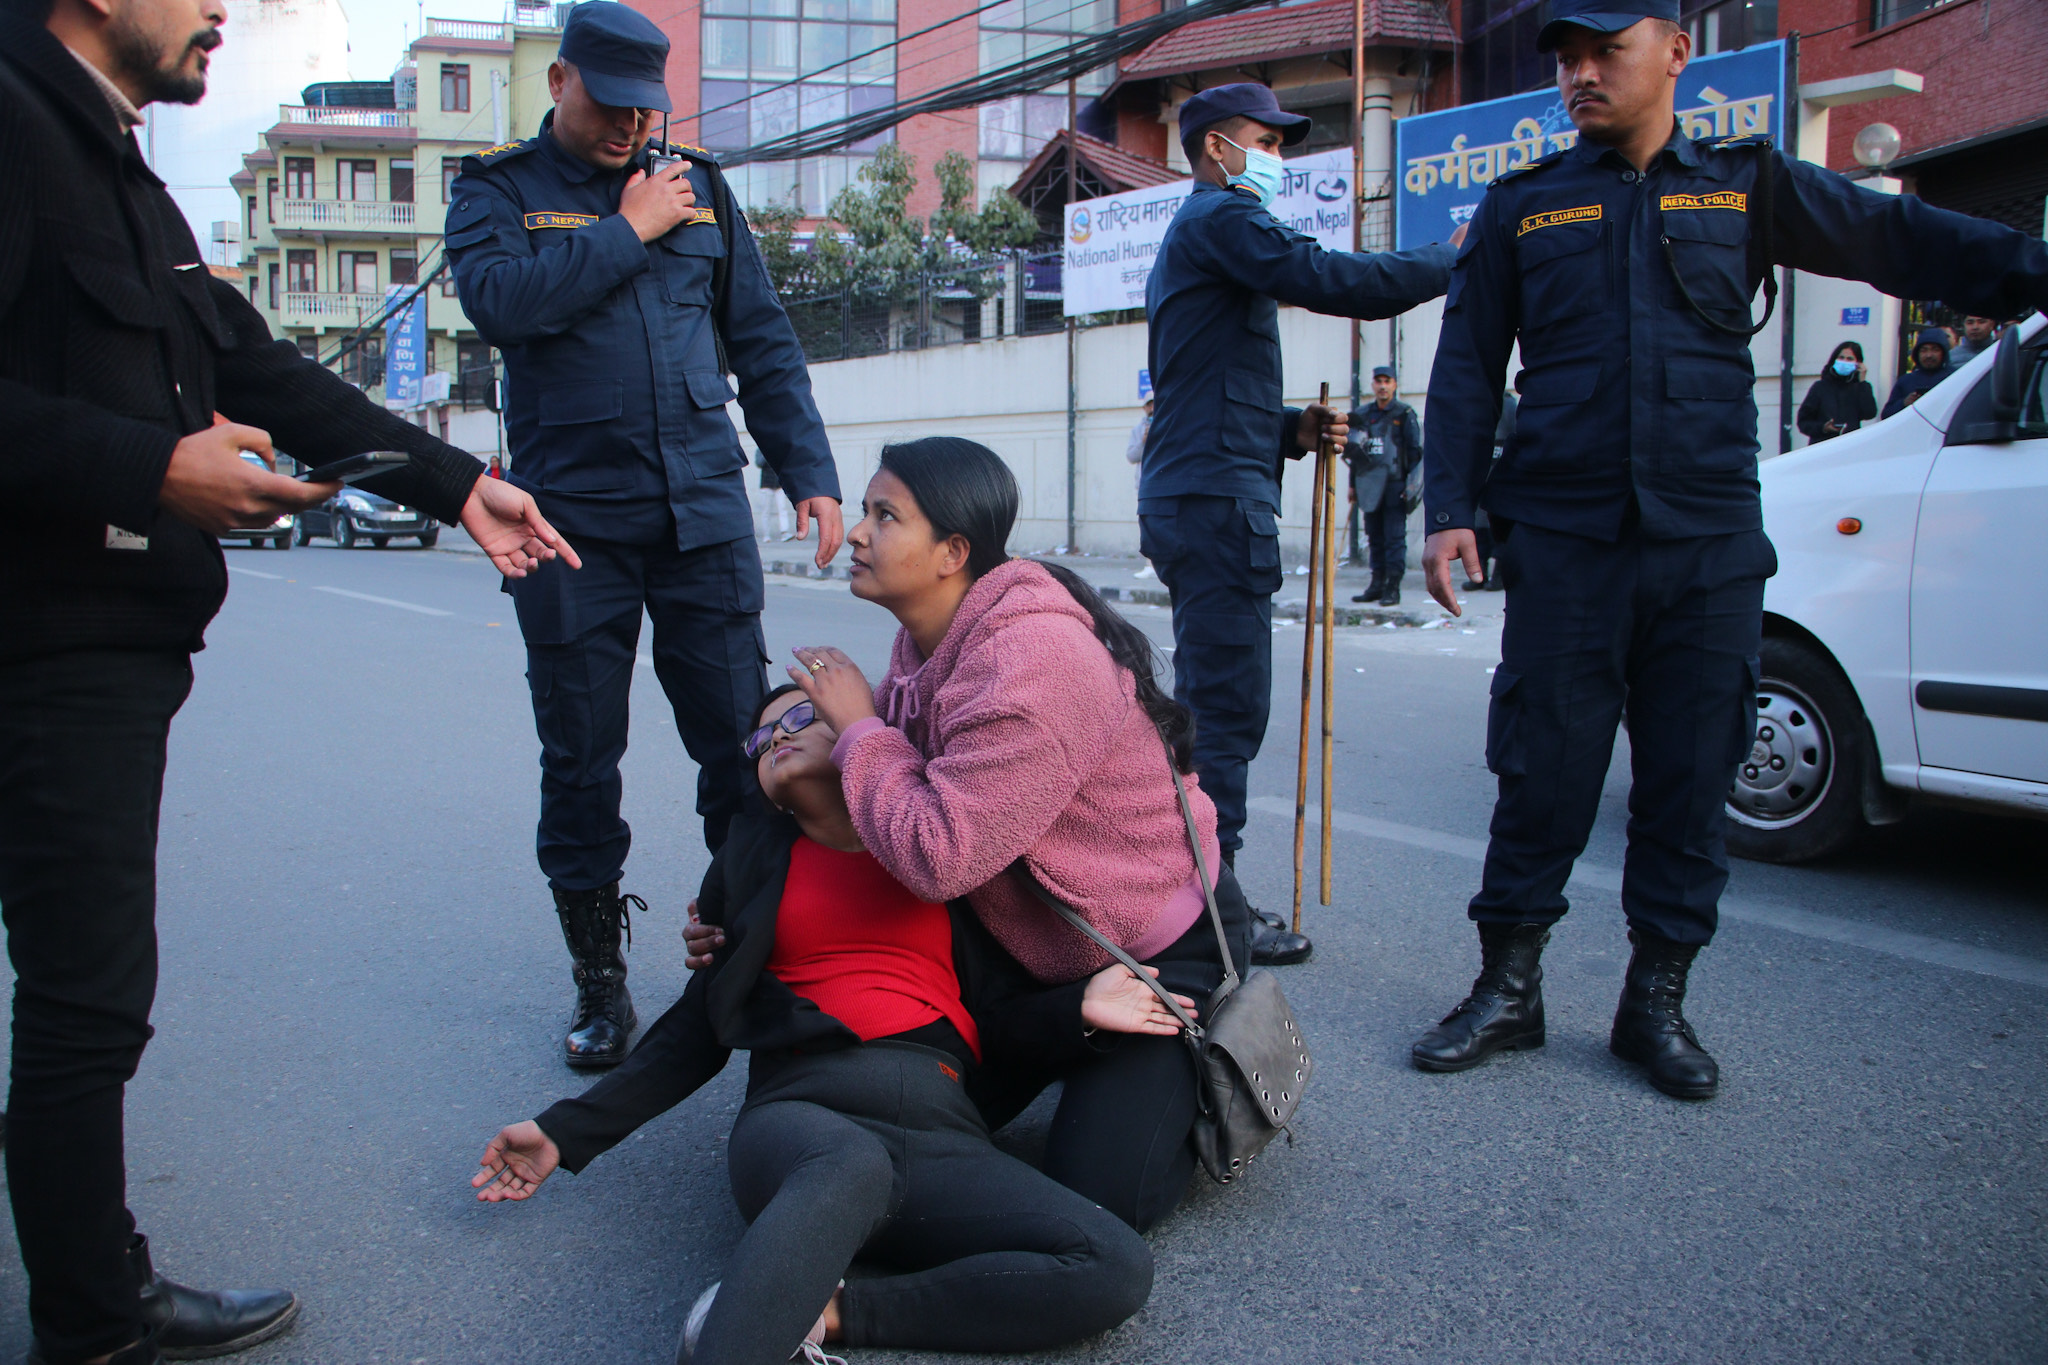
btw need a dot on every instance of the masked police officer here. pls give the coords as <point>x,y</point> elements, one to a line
<point>621,298</point>
<point>1209,488</point>
<point>1626,508</point>
<point>1384,452</point>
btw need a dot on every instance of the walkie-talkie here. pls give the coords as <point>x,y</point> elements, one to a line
<point>661,159</point>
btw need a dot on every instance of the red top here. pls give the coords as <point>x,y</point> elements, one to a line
<point>854,942</point>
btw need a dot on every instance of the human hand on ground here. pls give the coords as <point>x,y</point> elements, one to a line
<point>515,1162</point>
<point>1117,1002</point>
<point>835,685</point>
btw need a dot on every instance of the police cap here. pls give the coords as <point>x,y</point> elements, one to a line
<point>619,53</point>
<point>1601,16</point>
<point>1247,99</point>
<point>1384,372</point>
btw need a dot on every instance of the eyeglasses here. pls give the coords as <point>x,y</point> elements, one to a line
<point>789,722</point>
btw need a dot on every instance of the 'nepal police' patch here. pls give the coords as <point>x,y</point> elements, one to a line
<point>1589,213</point>
<point>1723,199</point>
<point>560,220</point>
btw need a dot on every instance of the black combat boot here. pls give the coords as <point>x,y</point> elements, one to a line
<point>1649,1024</point>
<point>1505,1008</point>
<point>192,1324</point>
<point>1372,590</point>
<point>593,923</point>
<point>1390,595</point>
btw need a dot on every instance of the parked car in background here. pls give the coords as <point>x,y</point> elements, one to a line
<point>280,533</point>
<point>356,514</point>
<point>1905,652</point>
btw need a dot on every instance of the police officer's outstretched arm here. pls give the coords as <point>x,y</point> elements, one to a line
<point>775,394</point>
<point>1480,320</point>
<point>1251,248</point>
<point>1827,224</point>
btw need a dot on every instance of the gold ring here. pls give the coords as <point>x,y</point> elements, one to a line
<point>817,665</point>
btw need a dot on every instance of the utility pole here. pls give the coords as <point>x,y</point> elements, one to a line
<point>1073,374</point>
<point>1357,176</point>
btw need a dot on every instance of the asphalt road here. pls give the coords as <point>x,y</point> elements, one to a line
<point>362,979</point>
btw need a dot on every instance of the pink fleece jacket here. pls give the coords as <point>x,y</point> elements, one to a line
<point>1021,737</point>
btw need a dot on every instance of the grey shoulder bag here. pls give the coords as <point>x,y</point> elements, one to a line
<point>1250,1062</point>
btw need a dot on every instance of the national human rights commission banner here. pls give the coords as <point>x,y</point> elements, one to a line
<point>1111,241</point>
<point>1446,160</point>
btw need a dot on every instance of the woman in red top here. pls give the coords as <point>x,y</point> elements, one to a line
<point>865,1020</point>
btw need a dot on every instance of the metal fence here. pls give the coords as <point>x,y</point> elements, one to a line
<point>1018,295</point>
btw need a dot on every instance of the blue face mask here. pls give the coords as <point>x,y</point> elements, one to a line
<point>1845,368</point>
<point>1262,175</point>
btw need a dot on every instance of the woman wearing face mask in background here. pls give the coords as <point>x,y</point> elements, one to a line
<point>1841,399</point>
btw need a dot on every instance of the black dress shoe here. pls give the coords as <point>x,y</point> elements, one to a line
<point>597,926</point>
<point>1650,1027</point>
<point>192,1324</point>
<point>1392,596</point>
<point>1505,1008</point>
<point>1274,942</point>
<point>1372,591</point>
<point>141,1352</point>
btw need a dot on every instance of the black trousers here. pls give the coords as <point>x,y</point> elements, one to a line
<point>876,1152</point>
<point>1669,630</point>
<point>1220,559</point>
<point>82,740</point>
<point>1120,1133</point>
<point>1386,535</point>
<point>582,630</point>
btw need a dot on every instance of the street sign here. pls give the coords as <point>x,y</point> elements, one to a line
<point>1855,317</point>
<point>405,350</point>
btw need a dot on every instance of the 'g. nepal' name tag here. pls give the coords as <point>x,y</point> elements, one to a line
<point>1588,214</point>
<point>560,220</point>
<point>1722,199</point>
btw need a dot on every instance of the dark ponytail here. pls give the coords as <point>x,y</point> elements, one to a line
<point>964,489</point>
<point>1132,649</point>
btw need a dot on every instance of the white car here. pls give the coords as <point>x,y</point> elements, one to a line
<point>1905,649</point>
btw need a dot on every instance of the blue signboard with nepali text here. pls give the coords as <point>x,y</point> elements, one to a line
<point>1445,161</point>
<point>405,349</point>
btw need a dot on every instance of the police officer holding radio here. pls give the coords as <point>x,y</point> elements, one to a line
<point>1626,505</point>
<point>622,286</point>
<point>1209,487</point>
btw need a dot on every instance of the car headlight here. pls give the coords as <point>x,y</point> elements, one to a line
<point>355,504</point>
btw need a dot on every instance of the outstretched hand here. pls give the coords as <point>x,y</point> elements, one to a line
<point>503,520</point>
<point>515,1162</point>
<point>1117,1002</point>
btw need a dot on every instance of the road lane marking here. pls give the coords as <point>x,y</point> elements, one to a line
<point>1938,952</point>
<point>385,601</point>
<point>253,573</point>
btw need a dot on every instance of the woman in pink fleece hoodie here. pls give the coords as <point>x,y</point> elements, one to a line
<point>1021,732</point>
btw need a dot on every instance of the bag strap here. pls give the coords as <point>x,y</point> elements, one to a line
<point>1136,968</point>
<point>1230,978</point>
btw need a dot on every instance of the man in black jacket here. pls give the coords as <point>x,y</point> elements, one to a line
<point>117,349</point>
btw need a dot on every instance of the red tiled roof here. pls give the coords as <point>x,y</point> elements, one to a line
<point>1263,35</point>
<point>1122,169</point>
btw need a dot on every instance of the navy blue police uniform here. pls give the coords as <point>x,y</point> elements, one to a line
<point>1209,487</point>
<point>1384,452</point>
<point>1625,508</point>
<point>616,354</point>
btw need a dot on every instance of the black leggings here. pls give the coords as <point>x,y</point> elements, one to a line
<point>876,1151</point>
<point>1120,1134</point>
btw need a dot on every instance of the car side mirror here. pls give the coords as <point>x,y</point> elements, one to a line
<point>1991,413</point>
<point>2007,375</point>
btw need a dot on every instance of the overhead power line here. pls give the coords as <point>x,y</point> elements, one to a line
<point>1024,77</point>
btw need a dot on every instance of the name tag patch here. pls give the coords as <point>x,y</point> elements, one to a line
<point>560,220</point>
<point>1721,199</point>
<point>119,539</point>
<point>1589,213</point>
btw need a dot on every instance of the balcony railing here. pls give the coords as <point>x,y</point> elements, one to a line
<point>341,215</point>
<point>475,30</point>
<point>344,116</point>
<point>330,310</point>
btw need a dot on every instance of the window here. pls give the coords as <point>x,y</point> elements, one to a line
<point>1500,56</point>
<point>401,180</point>
<point>447,284</point>
<point>252,289</point>
<point>1725,25</point>
<point>355,272</point>
<point>405,266</point>
<point>363,364</point>
<point>454,88</point>
<point>273,286</point>
<point>355,180</point>
<point>270,199</point>
<point>754,54</point>
<point>1884,12</point>
<point>451,166</point>
<point>299,277</point>
<point>474,371</point>
<point>309,347</point>
<point>298,177</point>
<point>249,233</point>
<point>1016,129</point>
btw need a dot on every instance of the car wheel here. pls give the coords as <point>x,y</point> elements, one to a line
<point>380,541</point>
<point>304,534</point>
<point>428,539</point>
<point>283,542</point>
<point>1798,792</point>
<point>344,533</point>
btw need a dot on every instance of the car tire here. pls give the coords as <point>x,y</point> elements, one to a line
<point>428,539</point>
<point>380,541</point>
<point>344,533</point>
<point>304,535</point>
<point>283,542</point>
<point>1798,793</point>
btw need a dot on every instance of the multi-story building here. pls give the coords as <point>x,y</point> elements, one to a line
<point>344,202</point>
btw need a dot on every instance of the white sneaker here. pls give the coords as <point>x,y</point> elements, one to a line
<point>813,1352</point>
<point>693,1325</point>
